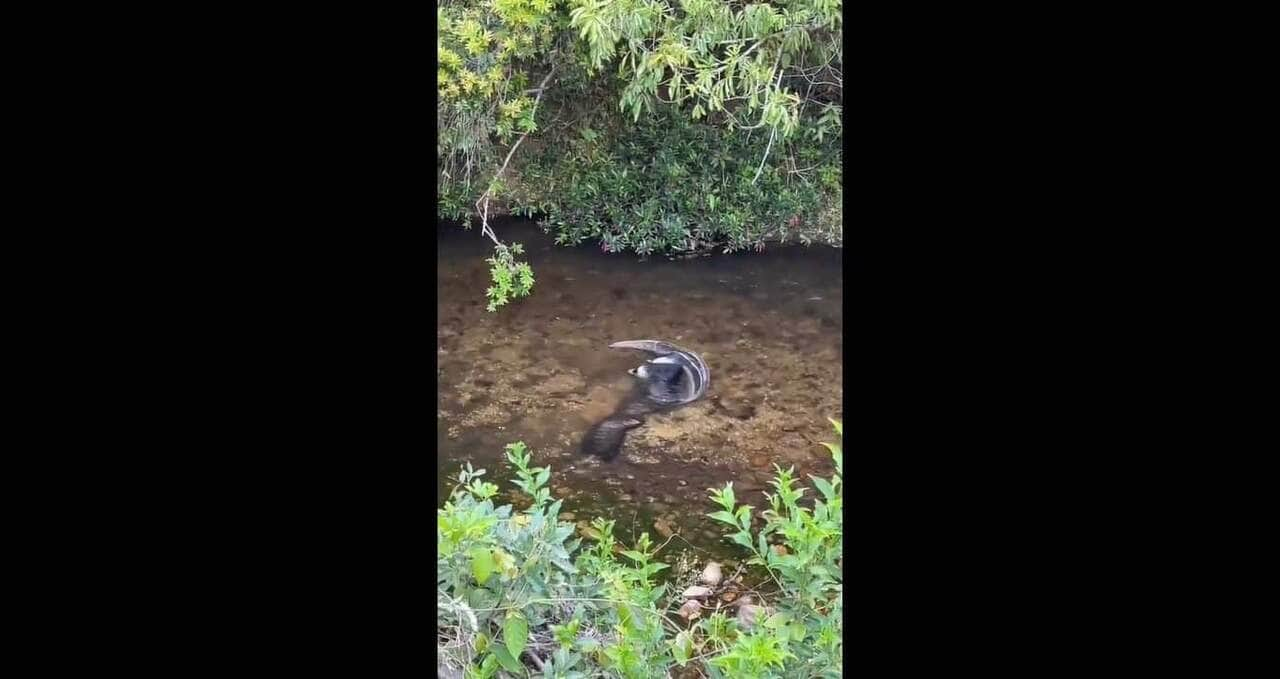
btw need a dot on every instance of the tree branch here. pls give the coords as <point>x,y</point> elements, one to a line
<point>488,192</point>
<point>773,130</point>
<point>536,660</point>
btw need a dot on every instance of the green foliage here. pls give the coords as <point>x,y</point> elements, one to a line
<point>511,279</point>
<point>721,70</point>
<point>671,185</point>
<point>806,631</point>
<point>511,589</point>
<point>713,57</point>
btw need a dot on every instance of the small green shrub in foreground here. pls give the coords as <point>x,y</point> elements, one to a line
<point>519,595</point>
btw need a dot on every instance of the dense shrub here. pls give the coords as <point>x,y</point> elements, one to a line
<point>669,184</point>
<point>713,123</point>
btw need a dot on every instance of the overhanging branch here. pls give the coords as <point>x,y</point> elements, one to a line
<point>488,192</point>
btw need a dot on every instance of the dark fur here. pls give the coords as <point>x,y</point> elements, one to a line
<point>605,438</point>
<point>665,382</point>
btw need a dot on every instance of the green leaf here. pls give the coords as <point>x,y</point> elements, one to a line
<point>515,632</point>
<point>824,487</point>
<point>724,516</point>
<point>633,555</point>
<point>507,661</point>
<point>481,564</point>
<point>682,647</point>
<point>797,631</point>
<point>742,539</point>
<point>777,620</point>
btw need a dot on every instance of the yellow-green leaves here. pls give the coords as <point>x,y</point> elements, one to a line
<point>481,564</point>
<point>474,36</point>
<point>448,58</point>
<point>837,453</point>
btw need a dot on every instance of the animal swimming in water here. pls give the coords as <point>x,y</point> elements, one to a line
<point>604,439</point>
<point>675,378</point>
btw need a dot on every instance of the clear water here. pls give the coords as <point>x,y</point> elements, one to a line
<point>540,370</point>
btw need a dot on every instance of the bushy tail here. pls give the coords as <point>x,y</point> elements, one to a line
<point>654,346</point>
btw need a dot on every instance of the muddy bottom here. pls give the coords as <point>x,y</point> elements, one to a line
<point>540,371</point>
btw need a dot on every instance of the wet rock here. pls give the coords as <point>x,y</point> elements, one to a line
<point>750,614</point>
<point>696,592</point>
<point>711,575</point>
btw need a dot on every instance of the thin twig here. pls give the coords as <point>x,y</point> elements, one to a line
<point>488,192</point>
<point>772,132</point>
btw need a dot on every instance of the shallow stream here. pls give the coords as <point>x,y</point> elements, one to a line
<point>540,370</point>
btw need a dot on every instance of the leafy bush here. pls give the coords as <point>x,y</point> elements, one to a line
<point>512,599</point>
<point>669,184</point>
<point>764,83</point>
